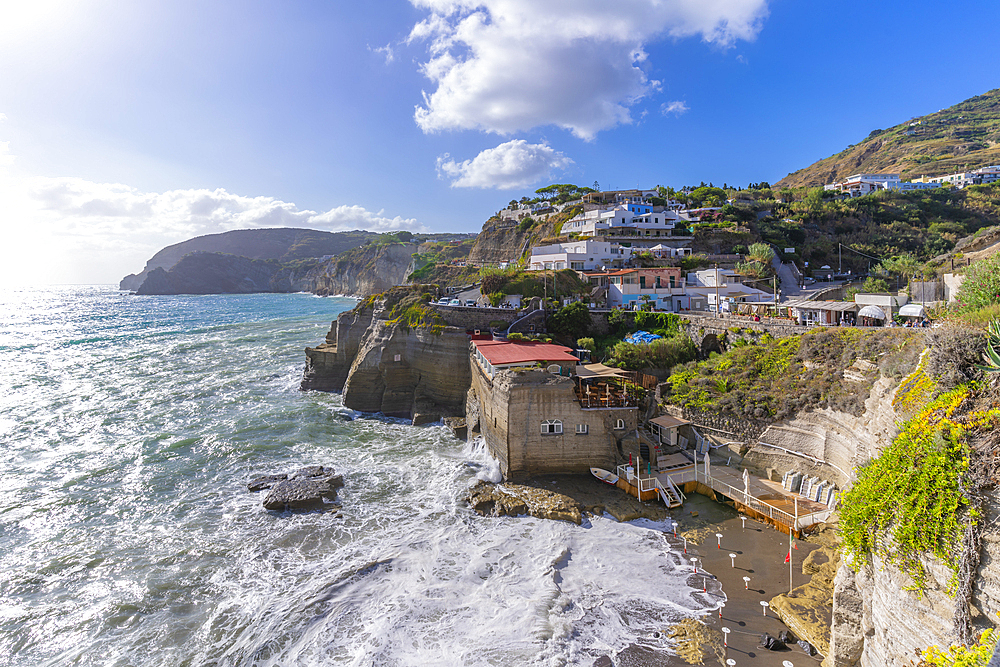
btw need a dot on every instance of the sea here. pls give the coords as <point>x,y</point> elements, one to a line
<point>129,427</point>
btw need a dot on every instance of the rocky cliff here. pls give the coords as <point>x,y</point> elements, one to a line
<point>370,269</point>
<point>878,616</point>
<point>216,273</point>
<point>283,244</point>
<point>383,365</point>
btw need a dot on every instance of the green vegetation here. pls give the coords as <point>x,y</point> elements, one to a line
<point>991,355</point>
<point>886,224</point>
<point>407,306</point>
<point>981,287</point>
<point>434,262</point>
<point>950,140</point>
<point>769,380</point>
<point>870,286</point>
<point>977,655</point>
<point>572,321</point>
<point>664,353</point>
<point>912,492</point>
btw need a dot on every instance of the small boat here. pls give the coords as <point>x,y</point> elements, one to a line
<point>604,475</point>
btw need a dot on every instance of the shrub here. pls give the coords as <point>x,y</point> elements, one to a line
<point>661,354</point>
<point>981,287</point>
<point>977,655</point>
<point>586,344</point>
<point>572,321</point>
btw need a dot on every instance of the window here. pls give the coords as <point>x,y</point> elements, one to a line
<point>620,425</point>
<point>551,426</point>
<point>581,429</point>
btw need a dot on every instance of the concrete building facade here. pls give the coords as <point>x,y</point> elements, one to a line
<point>532,422</point>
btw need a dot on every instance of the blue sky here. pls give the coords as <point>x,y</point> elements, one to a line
<point>129,126</point>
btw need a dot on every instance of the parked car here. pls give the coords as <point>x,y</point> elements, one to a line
<point>470,303</point>
<point>445,301</point>
<point>455,302</point>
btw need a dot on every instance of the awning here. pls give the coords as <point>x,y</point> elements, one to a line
<point>666,421</point>
<point>912,310</point>
<point>873,312</point>
<point>598,371</point>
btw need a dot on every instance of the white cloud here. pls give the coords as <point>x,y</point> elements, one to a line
<point>515,164</point>
<point>676,107</point>
<point>74,230</point>
<point>504,66</point>
<point>385,51</point>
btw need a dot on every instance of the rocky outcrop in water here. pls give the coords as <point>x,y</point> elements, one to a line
<point>516,500</point>
<point>382,365</point>
<point>306,488</point>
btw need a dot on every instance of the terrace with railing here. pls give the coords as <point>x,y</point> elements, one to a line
<point>615,389</point>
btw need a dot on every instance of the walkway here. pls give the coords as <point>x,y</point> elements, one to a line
<point>767,499</point>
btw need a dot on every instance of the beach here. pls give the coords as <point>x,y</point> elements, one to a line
<point>760,554</point>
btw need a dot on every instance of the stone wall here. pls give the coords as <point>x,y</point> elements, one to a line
<point>480,318</point>
<point>509,410</point>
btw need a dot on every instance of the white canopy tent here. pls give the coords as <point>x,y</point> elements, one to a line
<point>912,310</point>
<point>873,312</point>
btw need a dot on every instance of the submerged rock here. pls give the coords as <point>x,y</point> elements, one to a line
<point>265,482</point>
<point>303,489</point>
<point>516,500</point>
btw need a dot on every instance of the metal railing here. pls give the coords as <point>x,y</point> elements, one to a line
<point>652,484</point>
<point>798,523</point>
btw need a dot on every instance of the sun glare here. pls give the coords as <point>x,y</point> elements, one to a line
<point>20,19</point>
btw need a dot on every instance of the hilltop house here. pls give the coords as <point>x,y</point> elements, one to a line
<point>859,185</point>
<point>578,255</point>
<point>537,414</point>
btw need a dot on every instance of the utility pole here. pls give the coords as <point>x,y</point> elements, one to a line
<point>718,306</point>
<point>840,258</point>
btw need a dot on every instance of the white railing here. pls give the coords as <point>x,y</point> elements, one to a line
<point>761,507</point>
<point>651,484</point>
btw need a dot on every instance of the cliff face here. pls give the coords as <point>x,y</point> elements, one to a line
<point>834,442</point>
<point>367,270</point>
<point>416,373</point>
<point>876,622</point>
<point>284,244</point>
<point>215,273</point>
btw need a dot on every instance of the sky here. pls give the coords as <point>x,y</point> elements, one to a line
<point>125,127</point>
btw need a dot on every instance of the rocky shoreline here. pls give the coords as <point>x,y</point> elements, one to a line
<point>760,552</point>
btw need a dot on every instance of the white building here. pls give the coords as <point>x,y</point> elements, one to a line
<point>584,255</point>
<point>624,219</point>
<point>705,286</point>
<point>980,176</point>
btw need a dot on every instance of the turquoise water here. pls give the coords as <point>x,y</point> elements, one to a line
<point>129,427</point>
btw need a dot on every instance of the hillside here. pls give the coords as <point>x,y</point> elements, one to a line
<point>282,244</point>
<point>966,135</point>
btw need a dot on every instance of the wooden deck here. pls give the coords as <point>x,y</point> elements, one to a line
<point>766,500</point>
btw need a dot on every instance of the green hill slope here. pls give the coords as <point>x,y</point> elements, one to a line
<point>963,136</point>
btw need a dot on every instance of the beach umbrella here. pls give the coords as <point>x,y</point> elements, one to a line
<point>873,312</point>
<point>746,481</point>
<point>707,464</point>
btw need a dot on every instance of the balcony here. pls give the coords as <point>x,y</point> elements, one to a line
<point>623,390</point>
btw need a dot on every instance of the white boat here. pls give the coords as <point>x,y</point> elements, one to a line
<point>604,475</point>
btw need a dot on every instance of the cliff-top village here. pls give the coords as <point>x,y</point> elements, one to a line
<point>528,375</point>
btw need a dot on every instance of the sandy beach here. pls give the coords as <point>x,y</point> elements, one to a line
<point>760,554</point>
